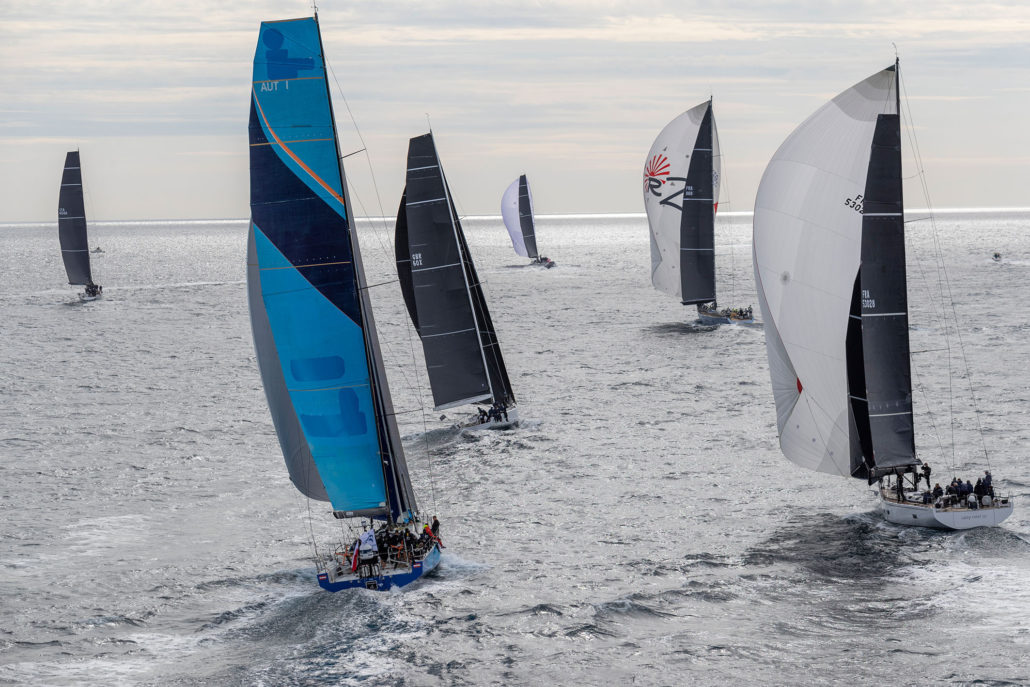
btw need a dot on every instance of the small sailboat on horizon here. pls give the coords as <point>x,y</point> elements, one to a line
<point>71,228</point>
<point>517,213</point>
<point>681,196</point>
<point>445,298</point>
<point>829,261</point>
<point>314,332</point>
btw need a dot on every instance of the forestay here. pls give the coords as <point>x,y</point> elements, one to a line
<point>809,244</point>
<point>313,328</point>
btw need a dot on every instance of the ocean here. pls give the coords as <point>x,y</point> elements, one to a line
<point>640,527</point>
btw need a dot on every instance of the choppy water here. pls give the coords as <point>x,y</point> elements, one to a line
<point>641,528</point>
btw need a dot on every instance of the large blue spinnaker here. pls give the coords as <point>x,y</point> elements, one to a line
<point>315,340</point>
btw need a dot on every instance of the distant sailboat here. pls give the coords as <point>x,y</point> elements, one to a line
<point>829,257</point>
<point>681,196</point>
<point>311,316</point>
<point>517,212</point>
<point>445,297</point>
<point>71,226</point>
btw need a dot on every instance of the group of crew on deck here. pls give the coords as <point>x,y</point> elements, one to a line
<point>956,494</point>
<point>390,545</point>
<point>732,313</point>
<point>498,412</point>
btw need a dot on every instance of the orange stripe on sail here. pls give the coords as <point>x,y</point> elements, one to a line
<point>293,155</point>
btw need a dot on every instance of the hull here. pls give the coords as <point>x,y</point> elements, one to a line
<point>472,423</point>
<point>385,580</point>
<point>84,298</point>
<point>721,317</point>
<point>950,518</point>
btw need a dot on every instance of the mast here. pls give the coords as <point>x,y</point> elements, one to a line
<point>395,472</point>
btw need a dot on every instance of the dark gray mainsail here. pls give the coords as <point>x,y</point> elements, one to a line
<point>442,290</point>
<point>879,369</point>
<point>71,223</point>
<point>526,218</point>
<point>697,221</point>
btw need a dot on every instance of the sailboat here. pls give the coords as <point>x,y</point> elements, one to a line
<point>445,297</point>
<point>71,228</point>
<point>314,332</point>
<point>517,213</point>
<point>681,196</point>
<point>829,260</point>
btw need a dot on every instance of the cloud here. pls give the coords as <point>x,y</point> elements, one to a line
<point>574,91</point>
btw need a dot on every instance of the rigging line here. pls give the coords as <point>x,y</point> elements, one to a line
<point>937,254</point>
<point>933,423</point>
<point>311,531</point>
<point>386,229</point>
<point>947,282</point>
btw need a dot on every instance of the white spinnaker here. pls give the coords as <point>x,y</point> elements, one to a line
<point>668,162</point>
<point>510,214</point>
<point>807,250</point>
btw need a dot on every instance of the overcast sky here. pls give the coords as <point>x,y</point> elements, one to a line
<point>155,93</point>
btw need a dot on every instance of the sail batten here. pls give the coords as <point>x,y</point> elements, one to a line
<point>314,333</point>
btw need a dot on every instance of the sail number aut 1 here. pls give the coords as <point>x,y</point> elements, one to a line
<point>314,332</point>
<point>829,258</point>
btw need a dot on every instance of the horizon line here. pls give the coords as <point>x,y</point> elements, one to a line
<point>571,215</point>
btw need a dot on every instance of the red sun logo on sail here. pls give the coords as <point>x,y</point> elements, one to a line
<point>655,171</point>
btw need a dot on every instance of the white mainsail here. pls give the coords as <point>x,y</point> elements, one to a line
<point>510,214</point>
<point>665,173</point>
<point>807,252</point>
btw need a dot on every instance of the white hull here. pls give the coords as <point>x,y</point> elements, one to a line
<point>951,518</point>
<point>84,298</point>
<point>472,423</point>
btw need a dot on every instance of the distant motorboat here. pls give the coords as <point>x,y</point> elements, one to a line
<point>517,213</point>
<point>98,249</point>
<point>829,260</point>
<point>71,229</point>
<point>681,196</point>
<point>996,257</point>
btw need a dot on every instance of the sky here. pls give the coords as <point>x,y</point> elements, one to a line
<point>155,95</point>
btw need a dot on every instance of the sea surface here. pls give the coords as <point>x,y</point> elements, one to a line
<point>641,527</point>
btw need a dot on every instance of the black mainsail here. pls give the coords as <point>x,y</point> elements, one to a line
<point>879,368</point>
<point>71,223</point>
<point>442,289</point>
<point>697,221</point>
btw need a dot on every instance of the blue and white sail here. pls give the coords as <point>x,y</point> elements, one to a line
<point>313,328</point>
